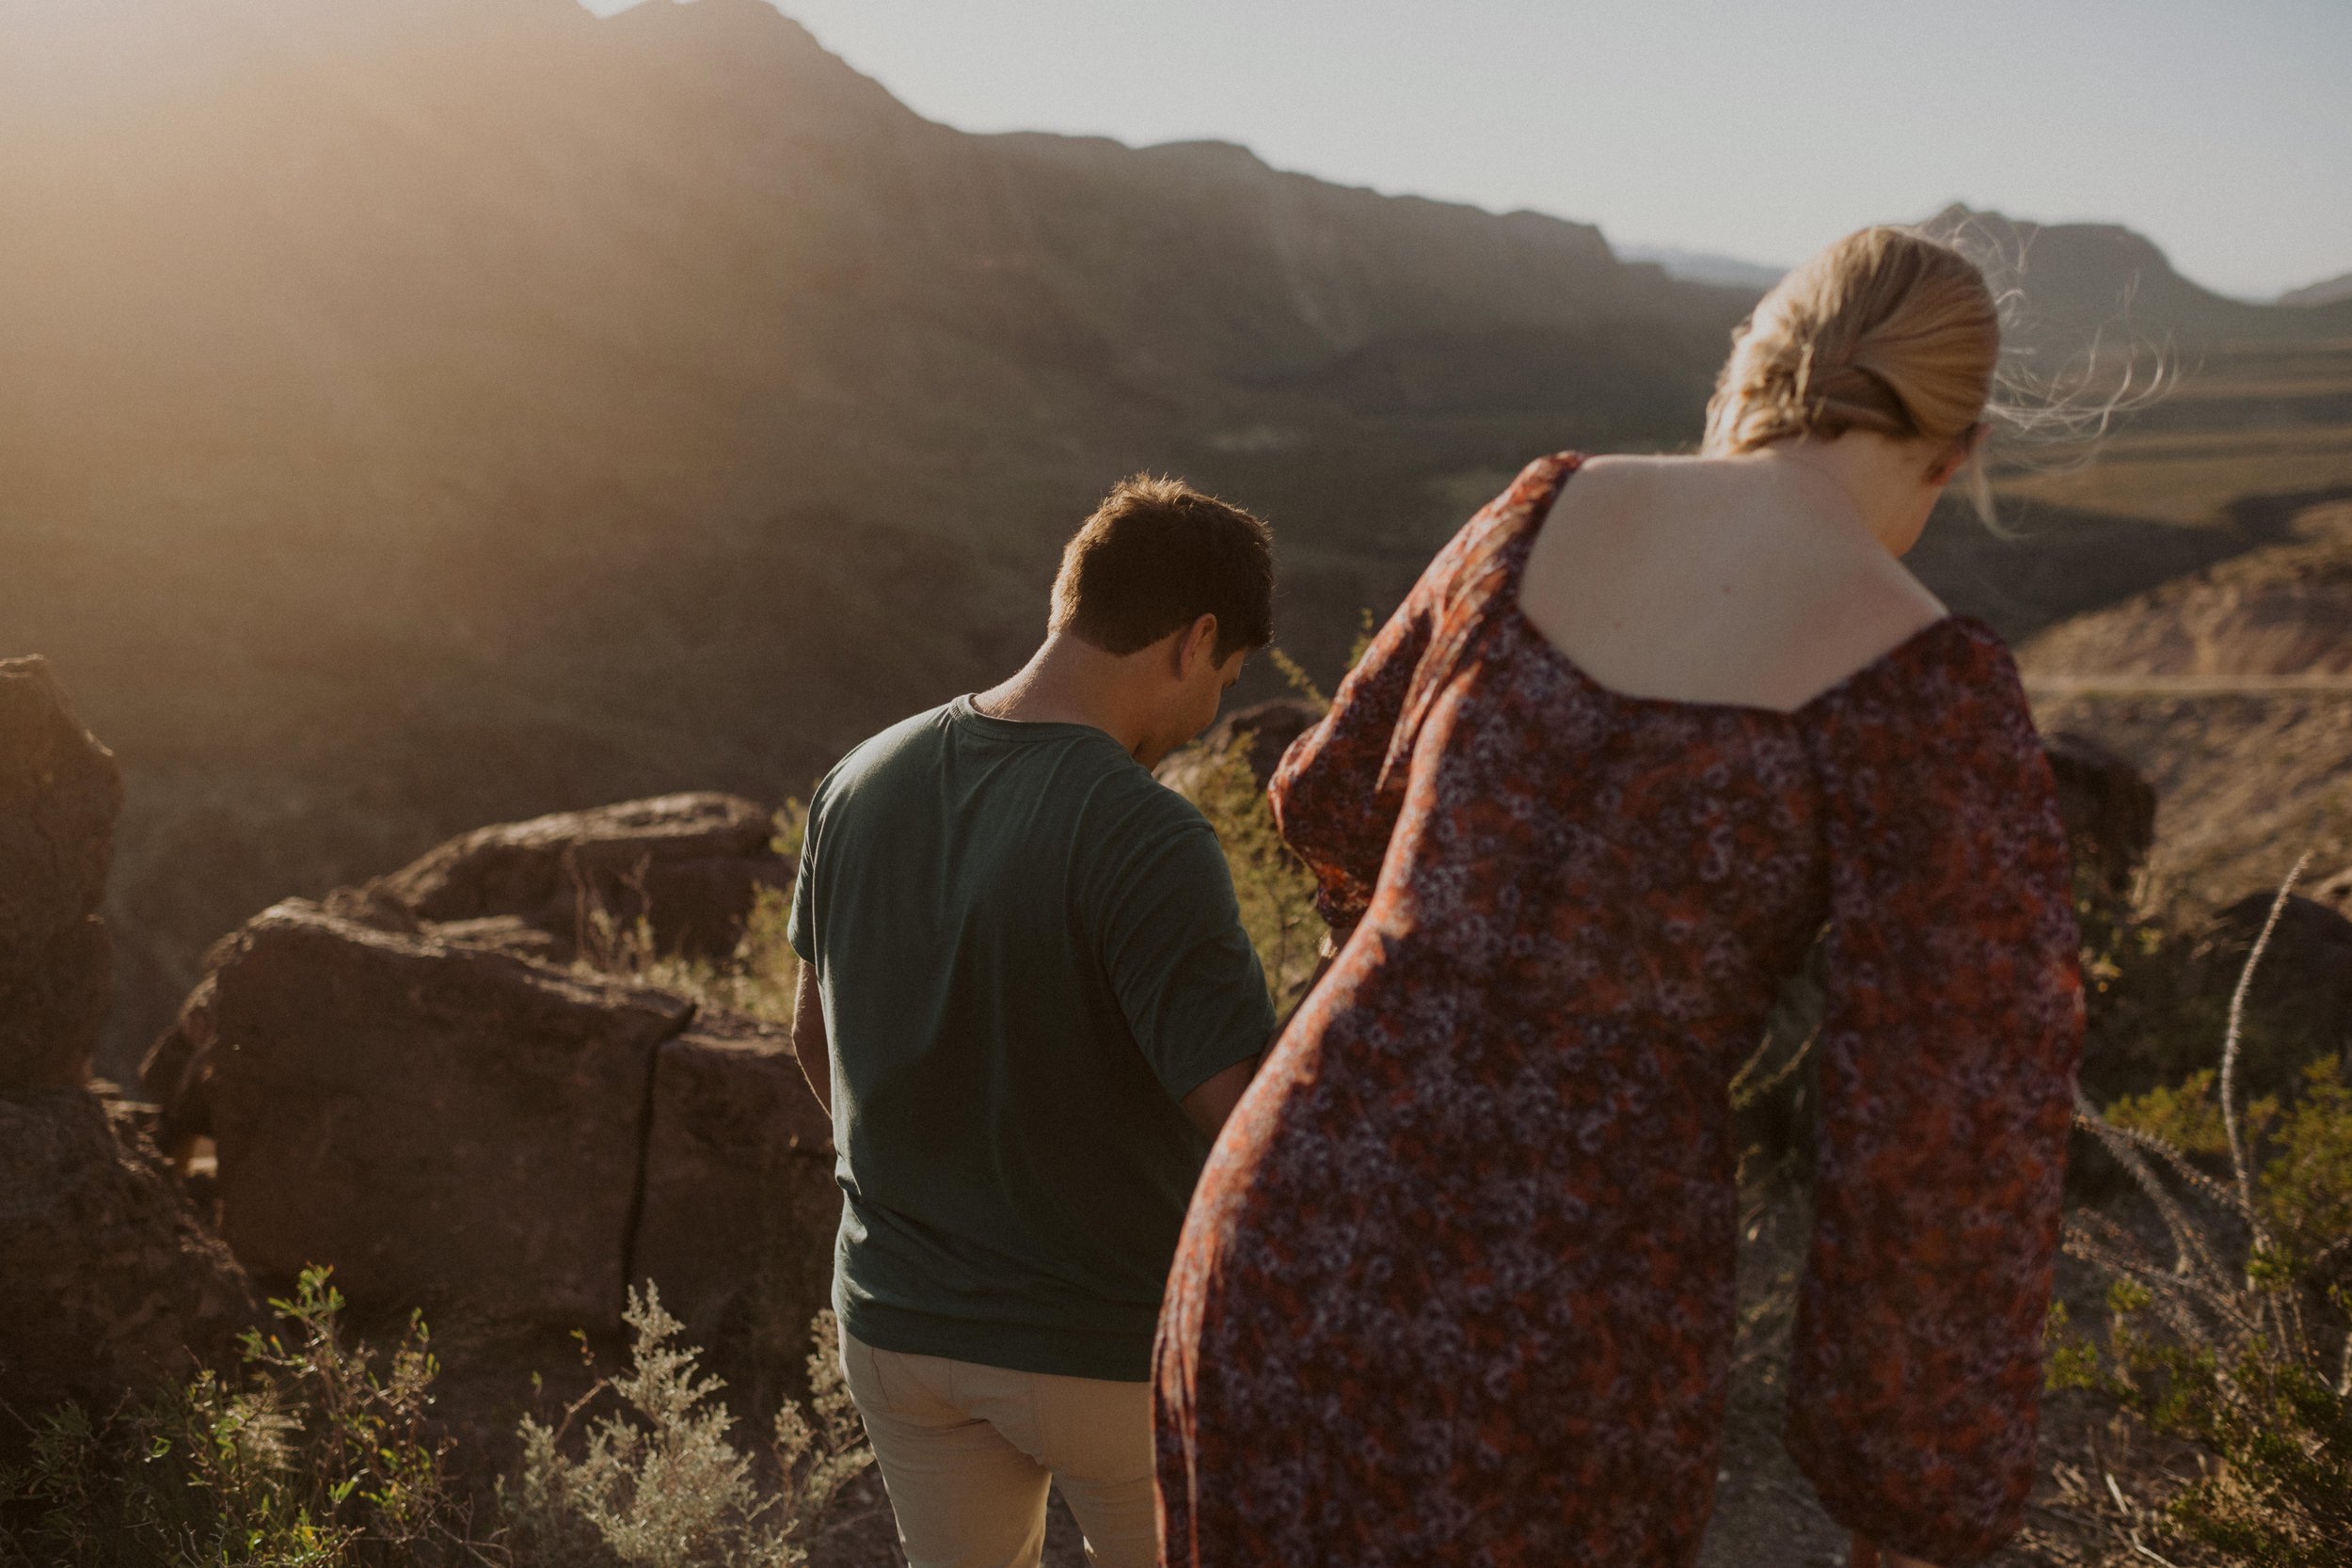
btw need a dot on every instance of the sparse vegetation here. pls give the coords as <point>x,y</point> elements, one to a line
<point>319,1453</point>
<point>757,979</point>
<point>2228,1313</point>
<point>661,1485</point>
<point>316,1454</point>
<point>1276,892</point>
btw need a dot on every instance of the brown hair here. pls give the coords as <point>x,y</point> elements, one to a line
<point>1886,330</point>
<point>1156,557</point>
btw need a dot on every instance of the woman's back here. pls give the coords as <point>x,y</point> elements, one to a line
<point>1476,1214</point>
<point>1745,580</point>
<point>1457,1284</point>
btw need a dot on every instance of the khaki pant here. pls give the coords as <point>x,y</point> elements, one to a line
<point>968,1452</point>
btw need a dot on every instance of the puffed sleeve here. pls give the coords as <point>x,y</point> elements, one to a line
<point>1947,1052</point>
<point>1336,796</point>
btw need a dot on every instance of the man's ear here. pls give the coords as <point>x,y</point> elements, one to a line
<point>1197,642</point>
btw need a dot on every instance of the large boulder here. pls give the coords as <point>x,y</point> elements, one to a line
<point>2110,809</point>
<point>2299,1007</point>
<point>2335,891</point>
<point>739,1206</point>
<point>503,1140</point>
<point>442,1124</point>
<point>60,793</point>
<point>109,1285</point>
<point>689,866</point>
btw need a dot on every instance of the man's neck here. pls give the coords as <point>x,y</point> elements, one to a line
<point>1068,682</point>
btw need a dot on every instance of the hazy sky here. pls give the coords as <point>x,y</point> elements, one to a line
<point>2222,129</point>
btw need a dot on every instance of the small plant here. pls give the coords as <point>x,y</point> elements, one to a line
<point>661,1485</point>
<point>2236,1342</point>
<point>314,1456</point>
<point>760,978</point>
<point>1277,893</point>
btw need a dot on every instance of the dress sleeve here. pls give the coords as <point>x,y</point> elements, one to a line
<point>1336,797</point>
<point>1952,1027</point>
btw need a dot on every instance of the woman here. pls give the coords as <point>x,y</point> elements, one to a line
<point>1457,1284</point>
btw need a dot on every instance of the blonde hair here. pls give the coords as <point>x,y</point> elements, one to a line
<point>1885,330</point>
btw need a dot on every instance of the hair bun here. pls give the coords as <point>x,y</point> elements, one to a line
<point>1886,330</point>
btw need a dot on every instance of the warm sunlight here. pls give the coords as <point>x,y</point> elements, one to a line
<point>1217,784</point>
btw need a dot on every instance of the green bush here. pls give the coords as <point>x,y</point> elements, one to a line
<point>318,1454</point>
<point>661,1485</point>
<point>314,1455</point>
<point>2232,1335</point>
<point>1276,892</point>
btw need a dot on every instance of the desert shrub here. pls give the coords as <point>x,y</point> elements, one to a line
<point>1276,892</point>
<point>315,1454</point>
<point>2231,1333</point>
<point>659,1482</point>
<point>2153,1010</point>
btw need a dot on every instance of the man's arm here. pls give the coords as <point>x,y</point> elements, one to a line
<point>1212,1101</point>
<point>808,1038</point>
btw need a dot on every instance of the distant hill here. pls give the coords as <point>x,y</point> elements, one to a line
<point>1705,267</point>
<point>425,412</point>
<point>2335,290</point>
<point>2080,279</point>
<point>2232,688</point>
<point>2282,610</point>
<point>429,412</point>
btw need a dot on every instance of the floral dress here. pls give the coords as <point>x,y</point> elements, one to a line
<point>1456,1286</point>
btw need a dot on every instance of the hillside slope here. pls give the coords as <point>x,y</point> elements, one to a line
<point>424,413</point>
<point>2231,688</point>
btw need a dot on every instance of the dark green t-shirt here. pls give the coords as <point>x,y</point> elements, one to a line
<point>1029,952</point>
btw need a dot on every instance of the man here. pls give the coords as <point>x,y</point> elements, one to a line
<point>1027,1001</point>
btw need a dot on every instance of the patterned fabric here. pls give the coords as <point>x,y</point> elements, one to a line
<point>1456,1286</point>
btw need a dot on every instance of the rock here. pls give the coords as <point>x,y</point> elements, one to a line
<point>691,864</point>
<point>60,793</point>
<point>444,1125</point>
<point>108,1283</point>
<point>740,1206</point>
<point>2110,810</point>
<point>2299,1007</point>
<point>2335,892</point>
<point>1265,729</point>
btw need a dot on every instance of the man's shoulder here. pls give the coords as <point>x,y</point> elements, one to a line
<point>1138,802</point>
<point>909,738</point>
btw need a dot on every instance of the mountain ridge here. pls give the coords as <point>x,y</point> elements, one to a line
<point>439,414</point>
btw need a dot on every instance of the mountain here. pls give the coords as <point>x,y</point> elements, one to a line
<point>425,412</point>
<point>2334,291</point>
<point>2080,280</point>
<point>1705,267</point>
<point>429,412</point>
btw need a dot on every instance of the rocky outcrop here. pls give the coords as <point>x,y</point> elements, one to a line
<point>108,1283</point>
<point>2335,891</point>
<point>59,792</point>
<point>439,1123</point>
<point>739,1206</point>
<point>2108,807</point>
<point>499,1139</point>
<point>689,866</point>
<point>2299,1007</point>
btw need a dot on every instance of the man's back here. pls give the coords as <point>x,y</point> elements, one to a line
<point>1028,953</point>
